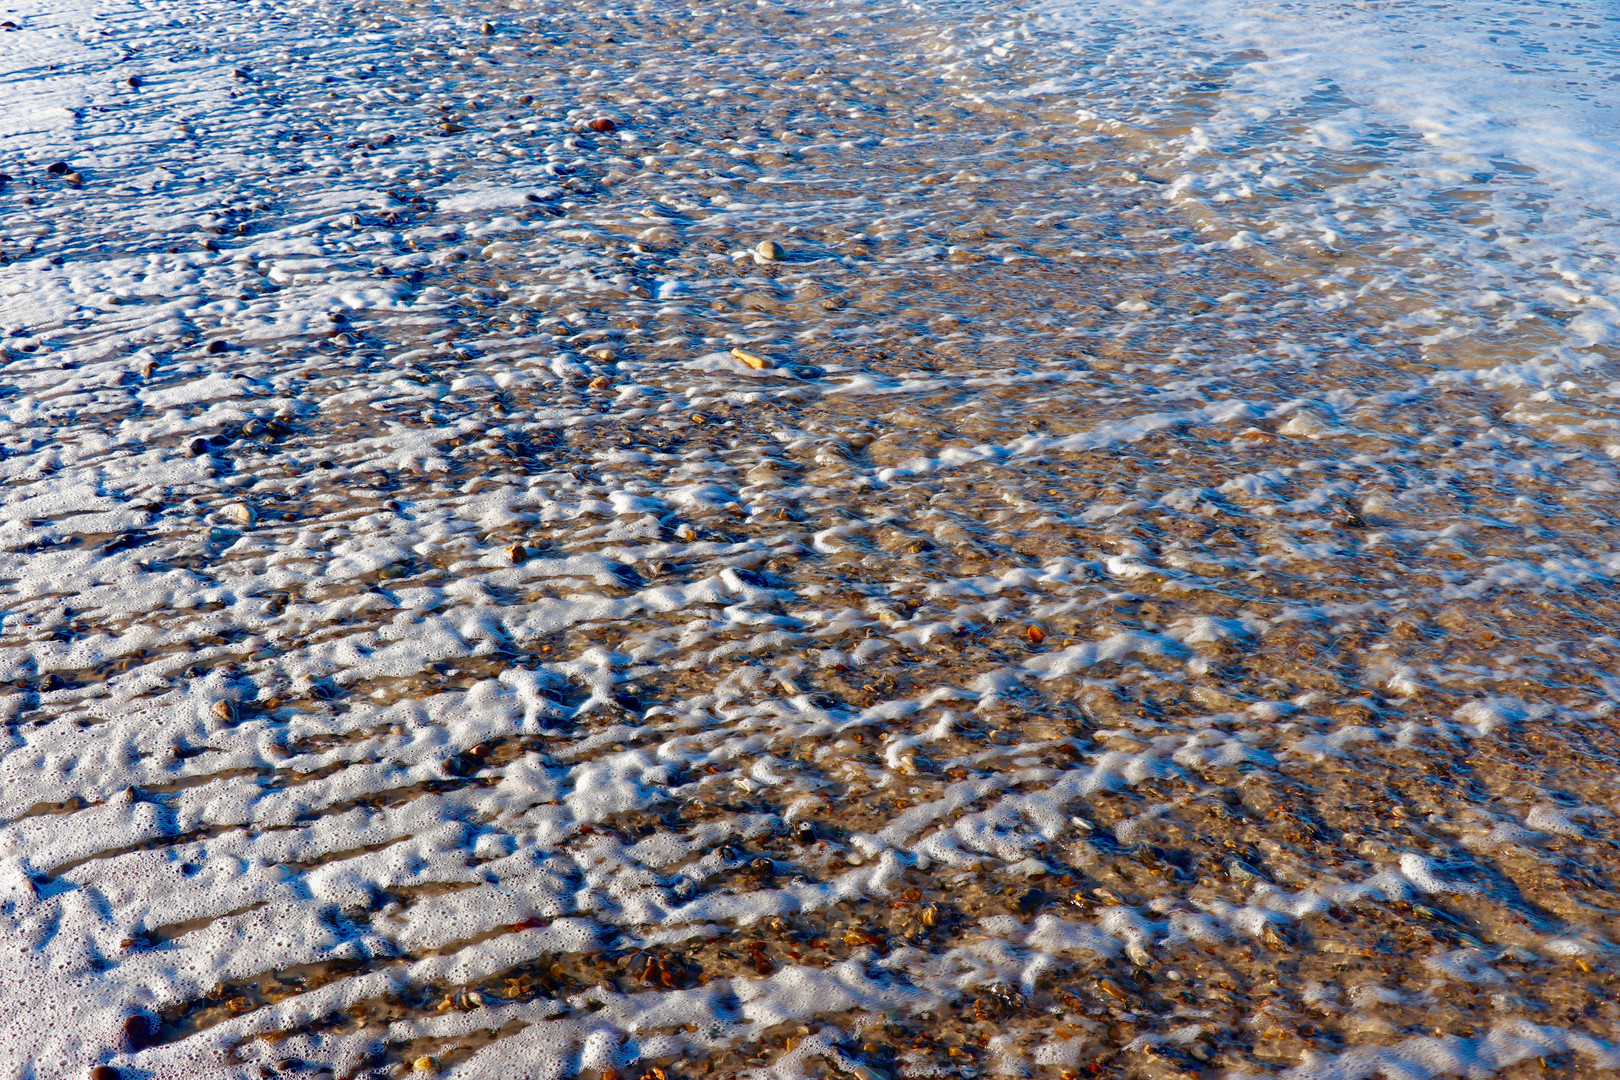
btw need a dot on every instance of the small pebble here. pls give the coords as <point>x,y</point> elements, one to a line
<point>424,1065</point>
<point>133,82</point>
<point>601,382</point>
<point>758,363</point>
<point>602,124</point>
<point>1112,989</point>
<point>487,28</point>
<point>105,1072</point>
<point>516,554</point>
<point>58,168</point>
<point>241,513</point>
<point>137,1032</point>
<point>226,711</point>
<point>770,251</point>
<point>215,347</point>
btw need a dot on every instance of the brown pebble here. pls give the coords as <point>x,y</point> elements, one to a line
<point>517,553</point>
<point>137,1032</point>
<point>105,1072</point>
<point>602,124</point>
<point>1036,635</point>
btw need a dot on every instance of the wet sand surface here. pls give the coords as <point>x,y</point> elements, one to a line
<point>1061,641</point>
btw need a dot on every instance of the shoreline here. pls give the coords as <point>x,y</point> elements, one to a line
<point>471,601</point>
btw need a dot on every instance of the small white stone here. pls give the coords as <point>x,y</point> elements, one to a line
<point>241,513</point>
<point>769,251</point>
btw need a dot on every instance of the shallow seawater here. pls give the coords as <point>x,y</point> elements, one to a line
<point>1110,629</point>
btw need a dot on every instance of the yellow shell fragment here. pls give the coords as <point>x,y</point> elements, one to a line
<point>758,363</point>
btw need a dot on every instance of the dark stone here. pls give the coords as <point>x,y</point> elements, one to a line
<point>139,1032</point>
<point>461,765</point>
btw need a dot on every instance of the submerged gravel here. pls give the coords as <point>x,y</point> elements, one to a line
<point>662,542</point>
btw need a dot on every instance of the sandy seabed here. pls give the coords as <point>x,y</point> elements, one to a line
<point>1123,612</point>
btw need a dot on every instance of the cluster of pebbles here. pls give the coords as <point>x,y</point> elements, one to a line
<point>653,542</point>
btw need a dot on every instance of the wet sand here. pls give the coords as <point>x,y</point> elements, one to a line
<point>1086,647</point>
